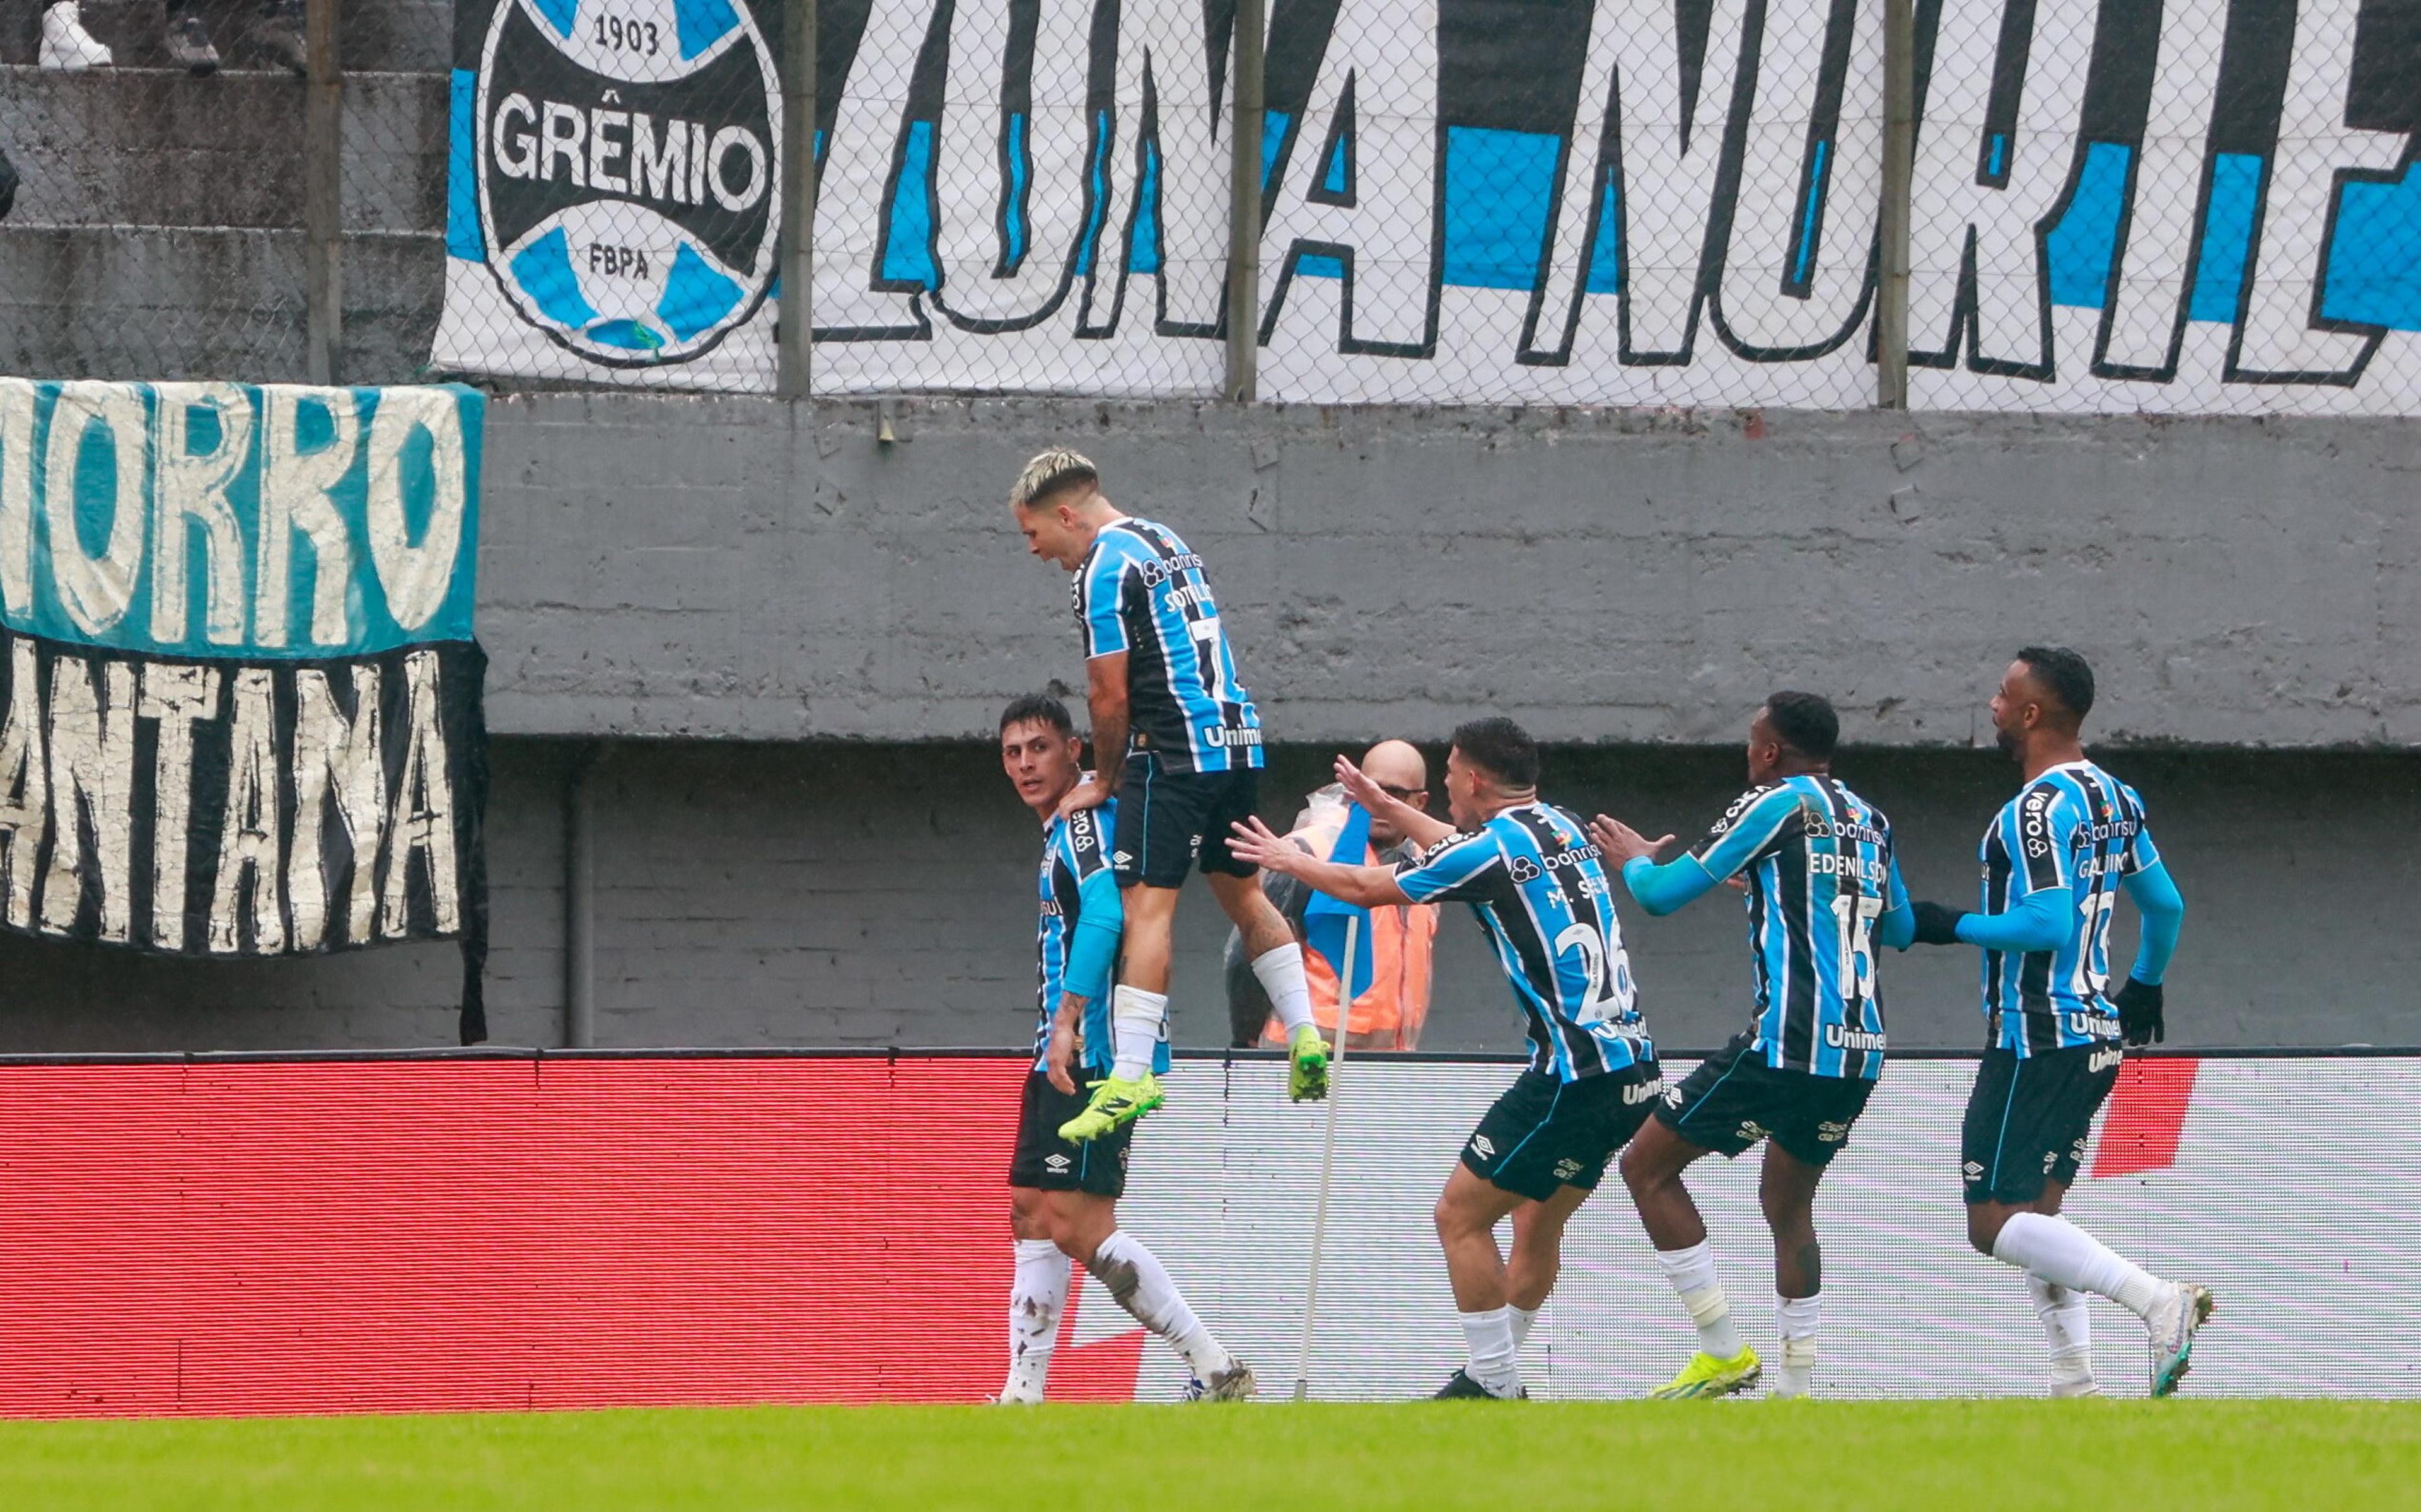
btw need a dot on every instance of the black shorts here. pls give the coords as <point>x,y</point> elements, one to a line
<point>1168,819</point>
<point>1543,1134</point>
<point>1734,1099</point>
<point>2028,1119</point>
<point>1045,1160</point>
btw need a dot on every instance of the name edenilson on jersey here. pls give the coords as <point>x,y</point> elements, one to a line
<point>1861,869</point>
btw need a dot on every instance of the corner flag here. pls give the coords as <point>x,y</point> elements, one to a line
<point>1324,918</point>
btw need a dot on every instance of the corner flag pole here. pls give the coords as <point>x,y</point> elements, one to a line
<point>1327,1160</point>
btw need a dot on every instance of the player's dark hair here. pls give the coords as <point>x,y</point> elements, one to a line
<point>1038,709</point>
<point>1805,721</point>
<point>2065,673</point>
<point>1501,748</point>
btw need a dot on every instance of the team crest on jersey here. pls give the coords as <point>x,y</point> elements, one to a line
<point>627,158</point>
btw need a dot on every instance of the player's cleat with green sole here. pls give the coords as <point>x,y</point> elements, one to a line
<point>1707,1376</point>
<point>1307,1066</point>
<point>2173,1329</point>
<point>1116,1102</point>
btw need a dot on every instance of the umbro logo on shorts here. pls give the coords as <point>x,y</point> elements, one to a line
<point>1056,1163</point>
<point>1672,1097</point>
<point>1120,859</point>
<point>1973,1170</point>
<point>1487,1151</point>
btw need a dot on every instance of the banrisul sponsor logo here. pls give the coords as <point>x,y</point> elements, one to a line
<point>629,175</point>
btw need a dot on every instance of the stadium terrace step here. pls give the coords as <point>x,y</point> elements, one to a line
<point>151,146</point>
<point>384,35</point>
<point>187,302</point>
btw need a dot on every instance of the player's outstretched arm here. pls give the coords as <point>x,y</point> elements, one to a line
<point>2143,1018</point>
<point>1658,888</point>
<point>2039,922</point>
<point>1416,825</point>
<point>1255,844</point>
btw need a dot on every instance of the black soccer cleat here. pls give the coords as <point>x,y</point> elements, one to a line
<point>1461,1387</point>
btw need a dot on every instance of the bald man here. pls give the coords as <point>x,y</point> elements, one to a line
<point>1389,1014</point>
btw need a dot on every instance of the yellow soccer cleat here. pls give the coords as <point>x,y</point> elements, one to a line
<point>1707,1376</point>
<point>1115,1103</point>
<point>1307,1066</point>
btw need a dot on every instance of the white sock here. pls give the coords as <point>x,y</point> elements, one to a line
<point>1522,1318</point>
<point>2067,1328</point>
<point>1036,1299</point>
<point>1795,1322</point>
<point>1490,1338</point>
<point>1139,1282</point>
<point>2065,1255</point>
<point>1281,977</point>
<point>1692,1274</point>
<point>1136,1018</point>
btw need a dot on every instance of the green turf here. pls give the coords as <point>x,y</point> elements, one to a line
<point>2025,1456</point>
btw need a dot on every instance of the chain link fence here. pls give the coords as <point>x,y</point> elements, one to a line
<point>2204,206</point>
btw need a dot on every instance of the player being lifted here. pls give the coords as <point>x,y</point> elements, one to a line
<point>1063,1197</point>
<point>1823,889</point>
<point>2056,859</point>
<point>1528,870</point>
<point>1162,687</point>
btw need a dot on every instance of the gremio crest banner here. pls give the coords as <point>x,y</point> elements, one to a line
<point>239,696</point>
<point>2202,207</point>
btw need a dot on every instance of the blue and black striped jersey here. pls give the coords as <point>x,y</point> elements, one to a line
<point>1075,845</point>
<point>1818,864</point>
<point>2081,830</point>
<point>1141,591</point>
<point>1536,880</point>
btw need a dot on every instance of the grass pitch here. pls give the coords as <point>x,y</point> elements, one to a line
<point>2040,1457</point>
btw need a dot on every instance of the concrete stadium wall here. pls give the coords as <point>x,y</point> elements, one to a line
<point>849,894</point>
<point>749,568</point>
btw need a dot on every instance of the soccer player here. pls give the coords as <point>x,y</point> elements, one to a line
<point>1822,889</point>
<point>2055,860</point>
<point>1162,683</point>
<point>1529,871</point>
<point>1063,1197</point>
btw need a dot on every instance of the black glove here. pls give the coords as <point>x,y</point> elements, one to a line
<point>1937,925</point>
<point>2140,1021</point>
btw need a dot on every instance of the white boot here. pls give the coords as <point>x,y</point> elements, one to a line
<point>64,42</point>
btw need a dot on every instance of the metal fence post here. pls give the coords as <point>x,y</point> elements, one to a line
<point>1244,205</point>
<point>323,151</point>
<point>1899,163</point>
<point>794,333</point>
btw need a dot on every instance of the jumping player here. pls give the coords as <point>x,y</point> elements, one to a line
<point>2055,860</point>
<point>1164,692</point>
<point>1528,870</point>
<point>1823,889</point>
<point>1063,1197</point>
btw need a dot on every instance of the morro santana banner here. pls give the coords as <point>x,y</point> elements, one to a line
<point>240,701</point>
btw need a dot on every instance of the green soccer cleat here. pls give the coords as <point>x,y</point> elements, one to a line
<point>1707,1376</point>
<point>1115,1103</point>
<point>1307,1066</point>
<point>2173,1331</point>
